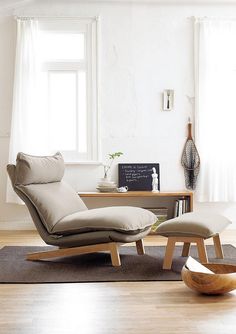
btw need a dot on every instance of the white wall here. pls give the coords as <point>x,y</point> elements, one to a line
<point>144,49</point>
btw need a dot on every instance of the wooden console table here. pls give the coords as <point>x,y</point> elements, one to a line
<point>187,195</point>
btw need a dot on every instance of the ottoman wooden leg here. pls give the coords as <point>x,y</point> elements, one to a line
<point>186,249</point>
<point>201,250</point>
<point>115,256</point>
<point>169,253</point>
<point>140,247</point>
<point>218,247</point>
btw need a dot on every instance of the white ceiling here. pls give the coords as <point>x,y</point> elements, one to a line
<point>12,4</point>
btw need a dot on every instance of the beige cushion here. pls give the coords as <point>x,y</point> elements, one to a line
<point>125,219</point>
<point>31,169</point>
<point>194,224</point>
<point>53,201</point>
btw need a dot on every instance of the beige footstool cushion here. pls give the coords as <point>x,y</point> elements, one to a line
<point>190,228</point>
<point>194,224</point>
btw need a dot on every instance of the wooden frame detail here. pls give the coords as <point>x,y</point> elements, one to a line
<point>115,256</point>
<point>202,254</point>
<point>140,247</point>
<point>186,247</point>
<point>112,247</point>
<point>218,247</point>
<point>169,253</point>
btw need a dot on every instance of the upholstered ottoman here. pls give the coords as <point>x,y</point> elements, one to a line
<point>193,228</point>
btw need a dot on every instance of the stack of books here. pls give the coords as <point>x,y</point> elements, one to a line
<point>181,206</point>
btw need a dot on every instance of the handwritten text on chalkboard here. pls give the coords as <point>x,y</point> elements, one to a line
<point>137,176</point>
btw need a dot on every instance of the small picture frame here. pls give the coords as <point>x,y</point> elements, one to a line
<point>168,100</point>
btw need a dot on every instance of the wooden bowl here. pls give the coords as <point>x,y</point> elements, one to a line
<point>222,280</point>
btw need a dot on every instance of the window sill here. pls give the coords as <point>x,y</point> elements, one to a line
<point>71,163</point>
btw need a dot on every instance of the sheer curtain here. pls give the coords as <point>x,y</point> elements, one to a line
<point>28,127</point>
<point>215,55</point>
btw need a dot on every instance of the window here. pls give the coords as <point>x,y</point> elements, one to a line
<point>68,83</point>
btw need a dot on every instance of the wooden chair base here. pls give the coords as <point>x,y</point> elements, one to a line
<point>186,248</point>
<point>112,247</point>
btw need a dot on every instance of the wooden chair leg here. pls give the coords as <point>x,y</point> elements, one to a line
<point>218,248</point>
<point>202,250</point>
<point>115,256</point>
<point>186,249</point>
<point>112,247</point>
<point>140,247</point>
<point>169,253</point>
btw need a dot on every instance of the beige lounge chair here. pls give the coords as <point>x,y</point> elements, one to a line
<point>63,220</point>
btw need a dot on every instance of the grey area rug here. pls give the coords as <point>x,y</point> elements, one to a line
<point>97,267</point>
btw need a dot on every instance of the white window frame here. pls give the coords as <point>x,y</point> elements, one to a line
<point>87,26</point>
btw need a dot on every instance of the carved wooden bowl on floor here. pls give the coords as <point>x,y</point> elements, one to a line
<point>210,278</point>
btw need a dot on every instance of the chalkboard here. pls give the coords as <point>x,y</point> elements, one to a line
<point>137,176</point>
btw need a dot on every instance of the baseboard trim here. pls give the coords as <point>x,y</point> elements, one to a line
<point>17,225</point>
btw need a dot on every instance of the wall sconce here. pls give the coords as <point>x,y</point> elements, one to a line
<point>168,100</point>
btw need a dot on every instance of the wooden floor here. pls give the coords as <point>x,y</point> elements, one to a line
<point>106,308</point>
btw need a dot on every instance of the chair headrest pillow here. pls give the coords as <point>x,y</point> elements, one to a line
<point>38,169</point>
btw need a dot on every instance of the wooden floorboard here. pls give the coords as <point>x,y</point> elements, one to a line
<point>105,308</point>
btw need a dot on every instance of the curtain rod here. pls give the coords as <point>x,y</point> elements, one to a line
<point>211,18</point>
<point>25,17</point>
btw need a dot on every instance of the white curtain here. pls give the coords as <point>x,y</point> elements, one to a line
<point>215,72</point>
<point>28,129</point>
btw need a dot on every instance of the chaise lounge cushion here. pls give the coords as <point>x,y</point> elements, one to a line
<point>194,224</point>
<point>124,219</point>
<point>53,201</point>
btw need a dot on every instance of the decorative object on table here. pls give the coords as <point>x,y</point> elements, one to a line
<point>190,161</point>
<point>193,227</point>
<point>111,157</point>
<point>154,181</point>
<point>138,176</point>
<point>105,184</point>
<point>122,189</point>
<point>210,278</point>
<point>161,214</point>
<point>168,100</point>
